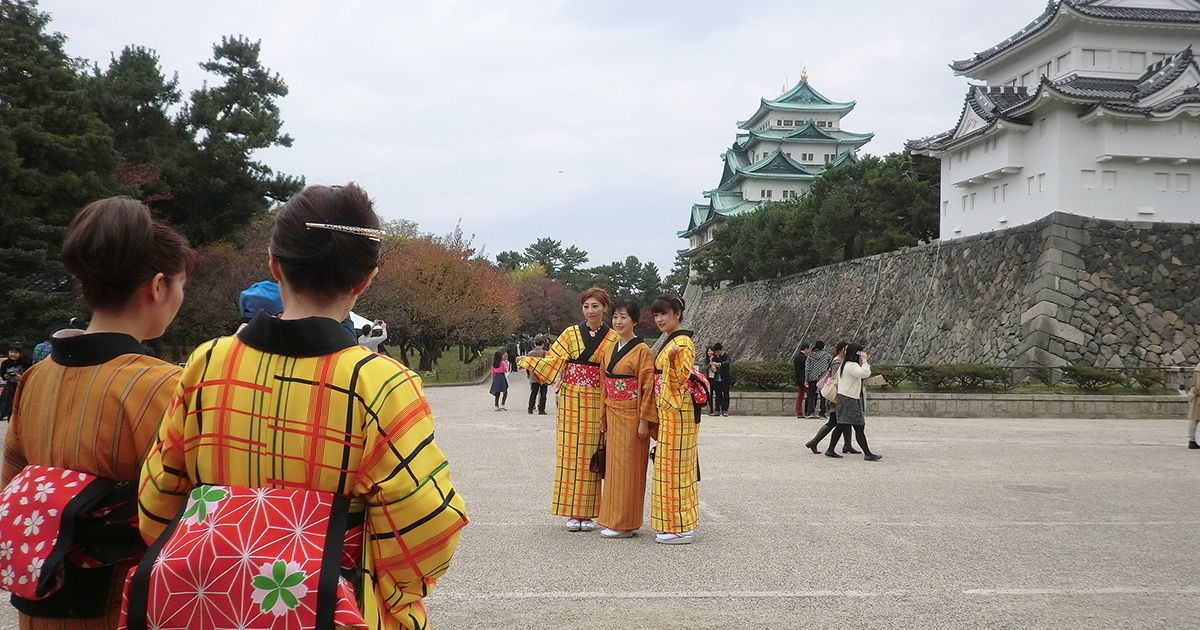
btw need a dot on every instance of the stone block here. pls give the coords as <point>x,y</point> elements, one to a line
<point>1050,295</point>
<point>1063,244</point>
<point>1049,309</point>
<point>1055,328</point>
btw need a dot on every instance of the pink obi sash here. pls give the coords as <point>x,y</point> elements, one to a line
<point>248,558</point>
<point>582,375</point>
<point>621,388</point>
<point>61,531</point>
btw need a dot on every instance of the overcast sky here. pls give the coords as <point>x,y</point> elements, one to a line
<point>596,123</point>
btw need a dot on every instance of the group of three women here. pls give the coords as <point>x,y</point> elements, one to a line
<point>616,393</point>
<point>288,414</point>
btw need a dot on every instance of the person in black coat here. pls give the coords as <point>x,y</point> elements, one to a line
<point>721,380</point>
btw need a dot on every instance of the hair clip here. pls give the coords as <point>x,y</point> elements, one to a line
<point>374,235</point>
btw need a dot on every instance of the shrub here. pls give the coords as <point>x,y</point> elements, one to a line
<point>978,375</point>
<point>1148,378</point>
<point>1041,375</point>
<point>762,375</point>
<point>1088,377</point>
<point>931,376</point>
<point>892,374</point>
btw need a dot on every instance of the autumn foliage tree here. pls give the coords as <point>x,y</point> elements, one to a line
<point>435,292</point>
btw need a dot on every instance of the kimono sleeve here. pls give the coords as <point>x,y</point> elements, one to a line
<point>681,364</point>
<point>645,373</point>
<point>14,452</point>
<point>547,369</point>
<point>164,483</point>
<point>413,512</point>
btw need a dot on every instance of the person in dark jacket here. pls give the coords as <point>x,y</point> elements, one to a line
<point>816,365</point>
<point>801,383</point>
<point>721,380</point>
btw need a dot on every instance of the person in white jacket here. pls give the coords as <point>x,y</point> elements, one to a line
<point>854,371</point>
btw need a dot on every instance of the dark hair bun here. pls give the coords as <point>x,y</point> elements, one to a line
<point>325,261</point>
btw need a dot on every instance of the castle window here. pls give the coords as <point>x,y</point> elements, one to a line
<point>1062,62</point>
<point>1041,182</point>
<point>1027,78</point>
<point>1162,182</point>
<point>995,194</point>
<point>1183,182</point>
<point>945,208</point>
<point>1044,69</point>
<point>769,194</point>
<point>787,123</point>
<point>972,201</point>
<point>964,203</point>
<point>1089,58</point>
<point>1137,60</point>
<point>1029,180</point>
<point>1087,179</point>
<point>1108,179</point>
<point>1004,192</point>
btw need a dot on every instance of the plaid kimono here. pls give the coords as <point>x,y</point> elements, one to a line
<point>628,398</point>
<point>297,405</point>
<point>575,357</point>
<point>674,496</point>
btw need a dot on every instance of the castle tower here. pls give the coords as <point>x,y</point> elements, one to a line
<point>787,143</point>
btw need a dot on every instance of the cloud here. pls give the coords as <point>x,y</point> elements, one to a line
<point>595,123</point>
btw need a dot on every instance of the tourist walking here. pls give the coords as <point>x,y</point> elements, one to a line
<point>92,410</point>
<point>537,391</point>
<point>1194,407</point>
<point>815,443</point>
<point>798,360</point>
<point>815,366</point>
<point>291,419</point>
<point>674,495</point>
<point>575,357</point>
<point>720,381</point>
<point>851,375</point>
<point>500,379</point>
<point>628,416</point>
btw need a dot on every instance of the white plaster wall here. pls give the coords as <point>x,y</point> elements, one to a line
<point>1115,39</point>
<point>752,188</point>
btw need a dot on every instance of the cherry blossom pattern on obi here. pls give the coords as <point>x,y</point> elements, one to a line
<point>243,558</point>
<point>31,512</point>
<point>582,375</point>
<point>621,389</point>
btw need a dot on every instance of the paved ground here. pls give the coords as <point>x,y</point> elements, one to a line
<point>964,524</point>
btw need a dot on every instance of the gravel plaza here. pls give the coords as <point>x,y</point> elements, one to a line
<point>979,523</point>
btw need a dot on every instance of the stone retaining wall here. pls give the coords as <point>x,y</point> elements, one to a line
<point>978,405</point>
<point>1063,290</point>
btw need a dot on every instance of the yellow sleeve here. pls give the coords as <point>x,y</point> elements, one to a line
<point>165,483</point>
<point>681,364</point>
<point>413,512</point>
<point>644,368</point>
<point>547,369</point>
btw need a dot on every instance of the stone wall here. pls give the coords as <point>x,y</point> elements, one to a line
<point>1065,289</point>
<point>919,405</point>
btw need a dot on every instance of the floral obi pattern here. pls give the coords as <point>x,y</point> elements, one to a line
<point>658,384</point>
<point>582,375</point>
<point>621,388</point>
<point>33,510</point>
<point>248,558</point>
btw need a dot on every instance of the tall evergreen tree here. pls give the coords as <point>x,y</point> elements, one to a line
<point>218,185</point>
<point>55,156</point>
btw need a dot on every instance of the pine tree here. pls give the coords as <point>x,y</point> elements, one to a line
<point>55,156</point>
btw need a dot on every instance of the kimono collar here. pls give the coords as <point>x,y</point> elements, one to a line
<point>81,350</point>
<point>308,337</point>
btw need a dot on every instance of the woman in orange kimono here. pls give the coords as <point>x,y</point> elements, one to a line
<point>628,414</point>
<point>575,357</point>
<point>674,497</point>
<point>94,405</point>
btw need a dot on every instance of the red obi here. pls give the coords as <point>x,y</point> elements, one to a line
<point>582,375</point>
<point>61,531</point>
<point>621,387</point>
<point>247,558</point>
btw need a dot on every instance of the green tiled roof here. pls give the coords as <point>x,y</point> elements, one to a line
<point>812,133</point>
<point>802,98</point>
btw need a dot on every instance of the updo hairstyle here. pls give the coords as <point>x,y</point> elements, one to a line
<point>325,261</point>
<point>114,245</point>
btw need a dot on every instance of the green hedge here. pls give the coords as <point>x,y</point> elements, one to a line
<point>762,375</point>
<point>1089,377</point>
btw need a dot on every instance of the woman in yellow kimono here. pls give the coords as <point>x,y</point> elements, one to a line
<point>575,357</point>
<point>293,403</point>
<point>674,497</point>
<point>628,414</point>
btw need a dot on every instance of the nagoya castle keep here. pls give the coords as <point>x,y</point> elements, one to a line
<point>786,144</point>
<point>1092,109</point>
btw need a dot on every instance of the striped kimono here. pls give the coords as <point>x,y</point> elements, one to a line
<point>297,405</point>
<point>674,496</point>
<point>93,407</point>
<point>574,357</point>
<point>628,397</point>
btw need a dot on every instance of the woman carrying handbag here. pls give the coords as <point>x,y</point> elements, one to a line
<point>831,424</point>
